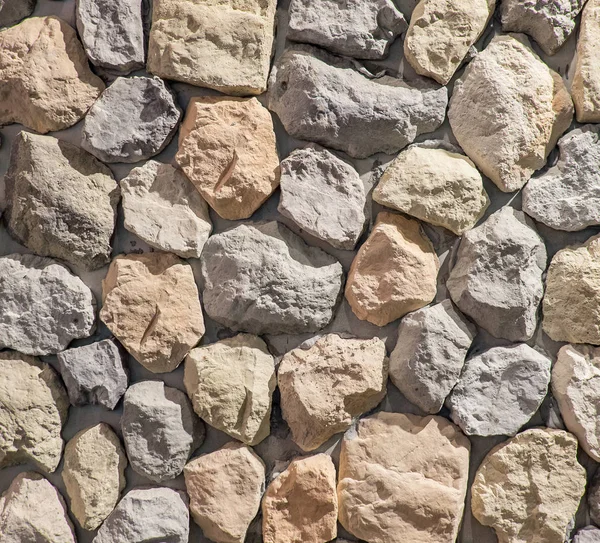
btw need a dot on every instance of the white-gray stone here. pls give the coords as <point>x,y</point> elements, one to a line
<point>589,534</point>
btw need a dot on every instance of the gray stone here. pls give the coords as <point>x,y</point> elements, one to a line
<point>160,430</point>
<point>44,307</point>
<point>589,534</point>
<point>593,497</point>
<point>500,390</point>
<point>134,119</point>
<point>323,195</point>
<point>323,98</point>
<point>94,374</point>
<point>567,196</point>
<point>497,277</point>
<point>430,354</point>
<point>12,11</point>
<point>62,202</point>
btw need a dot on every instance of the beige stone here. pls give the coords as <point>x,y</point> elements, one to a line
<point>227,149</point>
<point>300,504</point>
<point>529,488</point>
<point>394,271</point>
<point>403,478</point>
<point>225,488</point>
<point>325,387</point>
<point>45,80</point>
<point>150,303</point>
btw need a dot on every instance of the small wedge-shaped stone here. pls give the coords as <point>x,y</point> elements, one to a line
<point>225,489</point>
<point>586,80</point>
<point>61,201</point>
<point>530,107</point>
<point>589,534</point>
<point>323,98</point>
<point>45,81</point>
<point>325,387</point>
<point>12,11</point>
<point>394,271</point>
<point>94,474</point>
<point>497,277</point>
<point>150,303</point>
<point>529,487</point>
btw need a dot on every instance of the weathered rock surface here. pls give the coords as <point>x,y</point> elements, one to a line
<point>33,409</point>
<point>430,354</point>
<point>508,110</point>
<point>150,303</point>
<point>396,462</point>
<point>225,489</point>
<point>263,279</point>
<point>301,503</point>
<point>497,277</point>
<point>43,306</point>
<point>227,149</point>
<point>61,201</point>
<point>94,474</point>
<point>45,80</point>
<point>325,387</point>
<point>529,487</point>
<point>394,271</point>
<point>323,98</point>
<point>12,11</point>
<point>185,44</point>
<point>589,534</point>
<point>593,497</point>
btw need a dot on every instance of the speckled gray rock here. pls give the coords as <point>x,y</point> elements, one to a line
<point>94,374</point>
<point>567,196</point>
<point>589,534</point>
<point>497,277</point>
<point>323,98</point>
<point>263,279</point>
<point>12,11</point>
<point>500,390</point>
<point>134,119</point>
<point>323,195</point>
<point>430,354</point>
<point>44,306</point>
<point>160,430</point>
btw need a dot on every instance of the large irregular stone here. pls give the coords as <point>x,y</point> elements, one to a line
<point>325,387</point>
<point>508,110</point>
<point>227,149</point>
<point>529,487</point>
<point>61,201</point>
<point>94,474</point>
<point>430,354</point>
<point>263,279</point>
<point>225,489</point>
<point>301,503</point>
<point>45,80</point>
<point>44,306</point>
<point>150,303</point>
<point>589,534</point>
<point>231,383</point>
<point>33,409</point>
<point>403,478</point>
<point>225,46</point>
<point>165,210</point>
<point>394,271</point>
<point>12,11</point>
<point>497,277</point>
<point>323,98</point>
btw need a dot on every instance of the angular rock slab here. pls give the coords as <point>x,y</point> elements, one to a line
<point>150,303</point>
<point>394,271</point>
<point>225,489</point>
<point>44,306</point>
<point>508,110</point>
<point>33,410</point>
<point>325,387</point>
<point>61,201</point>
<point>228,151</point>
<point>430,354</point>
<point>263,279</point>
<point>586,80</point>
<point>395,462</point>
<point>325,99</point>
<point>185,45</point>
<point>529,487</point>
<point>163,208</point>
<point>497,277</point>
<point>45,80</point>
<point>13,11</point>
<point>589,534</point>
